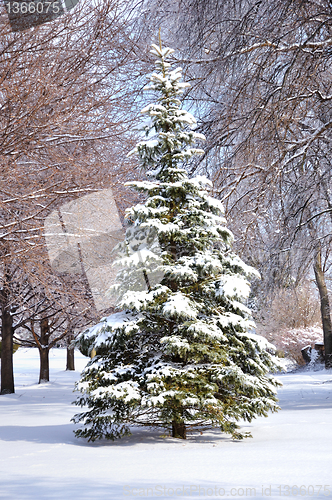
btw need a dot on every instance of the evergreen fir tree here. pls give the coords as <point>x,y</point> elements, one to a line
<point>179,354</point>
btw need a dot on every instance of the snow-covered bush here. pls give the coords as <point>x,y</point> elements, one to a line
<point>178,354</point>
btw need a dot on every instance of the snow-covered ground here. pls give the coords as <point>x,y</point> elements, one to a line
<point>41,459</point>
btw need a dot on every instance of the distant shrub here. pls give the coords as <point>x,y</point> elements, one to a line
<point>289,309</point>
<point>290,319</point>
<point>291,341</point>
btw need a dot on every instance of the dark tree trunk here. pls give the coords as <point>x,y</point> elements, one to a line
<point>325,309</point>
<point>44,373</point>
<point>179,430</point>
<point>70,354</point>
<point>7,370</point>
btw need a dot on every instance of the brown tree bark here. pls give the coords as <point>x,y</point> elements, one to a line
<point>7,369</point>
<point>325,309</point>
<point>70,359</point>
<point>70,354</point>
<point>179,430</point>
<point>44,373</point>
<point>7,372</point>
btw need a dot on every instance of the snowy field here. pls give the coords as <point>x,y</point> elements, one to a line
<point>41,459</point>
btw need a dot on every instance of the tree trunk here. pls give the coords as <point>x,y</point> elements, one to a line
<point>88,292</point>
<point>44,373</point>
<point>325,309</point>
<point>7,370</point>
<point>70,354</point>
<point>179,430</point>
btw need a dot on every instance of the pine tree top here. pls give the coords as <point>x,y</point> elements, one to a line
<point>168,128</point>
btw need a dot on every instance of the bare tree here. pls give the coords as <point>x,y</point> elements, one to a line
<point>261,79</point>
<point>63,120</point>
<point>51,318</point>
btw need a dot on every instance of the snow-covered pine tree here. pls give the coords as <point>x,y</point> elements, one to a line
<point>179,354</point>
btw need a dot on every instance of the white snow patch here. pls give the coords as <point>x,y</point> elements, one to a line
<point>178,305</point>
<point>233,286</point>
<point>41,459</point>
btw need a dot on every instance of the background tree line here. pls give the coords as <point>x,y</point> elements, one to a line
<point>261,82</point>
<point>261,90</point>
<point>65,115</point>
